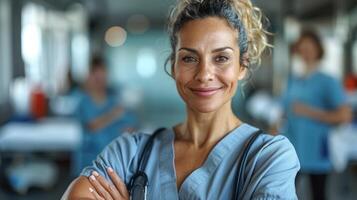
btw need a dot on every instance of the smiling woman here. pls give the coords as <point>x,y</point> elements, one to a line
<point>205,66</point>
<point>212,154</point>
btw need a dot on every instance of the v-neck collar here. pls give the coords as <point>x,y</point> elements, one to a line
<point>201,174</point>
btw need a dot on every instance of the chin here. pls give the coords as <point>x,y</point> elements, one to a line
<point>205,108</point>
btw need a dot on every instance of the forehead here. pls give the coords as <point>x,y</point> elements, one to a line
<point>98,68</point>
<point>307,41</point>
<point>207,32</point>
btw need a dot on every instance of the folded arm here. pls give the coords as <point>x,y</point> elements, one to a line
<point>78,190</point>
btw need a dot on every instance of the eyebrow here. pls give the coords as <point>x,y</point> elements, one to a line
<point>213,51</point>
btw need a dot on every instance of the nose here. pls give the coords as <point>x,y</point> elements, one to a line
<point>205,72</point>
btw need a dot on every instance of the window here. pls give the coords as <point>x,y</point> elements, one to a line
<point>5,50</point>
<point>46,45</point>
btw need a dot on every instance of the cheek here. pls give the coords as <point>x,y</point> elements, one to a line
<point>182,75</point>
<point>231,75</point>
<point>180,81</point>
<point>231,79</point>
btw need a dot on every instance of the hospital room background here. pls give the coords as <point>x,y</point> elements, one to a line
<point>53,52</point>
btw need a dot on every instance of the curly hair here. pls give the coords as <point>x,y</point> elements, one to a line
<point>240,14</point>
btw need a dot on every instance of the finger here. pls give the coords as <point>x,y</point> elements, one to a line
<point>114,192</point>
<point>119,184</point>
<point>104,183</point>
<point>99,188</point>
<point>95,194</point>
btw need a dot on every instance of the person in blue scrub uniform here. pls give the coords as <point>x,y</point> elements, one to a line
<point>100,113</point>
<point>214,44</point>
<point>314,102</point>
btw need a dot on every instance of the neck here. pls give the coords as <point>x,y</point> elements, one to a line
<point>206,129</point>
<point>311,66</point>
<point>98,95</point>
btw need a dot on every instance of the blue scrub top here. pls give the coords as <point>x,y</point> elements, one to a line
<point>270,171</point>
<point>309,136</point>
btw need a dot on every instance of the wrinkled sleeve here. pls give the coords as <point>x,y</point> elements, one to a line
<point>276,167</point>
<point>117,155</point>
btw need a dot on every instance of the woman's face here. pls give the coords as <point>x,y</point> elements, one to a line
<point>308,50</point>
<point>207,68</point>
<point>98,78</point>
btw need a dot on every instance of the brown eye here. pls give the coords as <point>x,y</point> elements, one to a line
<point>221,59</point>
<point>189,59</point>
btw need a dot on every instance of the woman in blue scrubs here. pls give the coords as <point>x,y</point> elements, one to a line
<point>214,44</point>
<point>314,102</point>
<point>100,113</point>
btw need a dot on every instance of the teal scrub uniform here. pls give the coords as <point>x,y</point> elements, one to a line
<point>310,136</point>
<point>270,171</point>
<point>93,142</point>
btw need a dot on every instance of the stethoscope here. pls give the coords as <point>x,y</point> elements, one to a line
<point>139,182</point>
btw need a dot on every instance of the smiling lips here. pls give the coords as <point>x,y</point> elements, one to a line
<point>206,92</point>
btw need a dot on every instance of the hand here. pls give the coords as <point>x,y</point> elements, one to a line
<point>118,110</point>
<point>273,130</point>
<point>103,190</point>
<point>303,109</point>
<point>128,130</point>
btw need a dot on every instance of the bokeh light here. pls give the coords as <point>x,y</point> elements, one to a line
<point>115,36</point>
<point>138,24</point>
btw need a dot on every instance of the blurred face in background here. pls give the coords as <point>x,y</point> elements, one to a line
<point>305,57</point>
<point>207,65</point>
<point>98,78</point>
<point>308,50</point>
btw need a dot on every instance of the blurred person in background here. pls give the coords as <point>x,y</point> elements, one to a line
<point>213,44</point>
<point>101,114</point>
<point>313,103</point>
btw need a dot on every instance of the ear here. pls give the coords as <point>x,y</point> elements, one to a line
<point>243,67</point>
<point>172,61</point>
<point>173,70</point>
<point>242,72</point>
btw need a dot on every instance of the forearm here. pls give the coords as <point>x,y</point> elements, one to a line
<point>104,120</point>
<point>78,190</point>
<point>340,115</point>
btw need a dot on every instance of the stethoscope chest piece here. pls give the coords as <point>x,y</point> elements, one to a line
<point>138,186</point>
